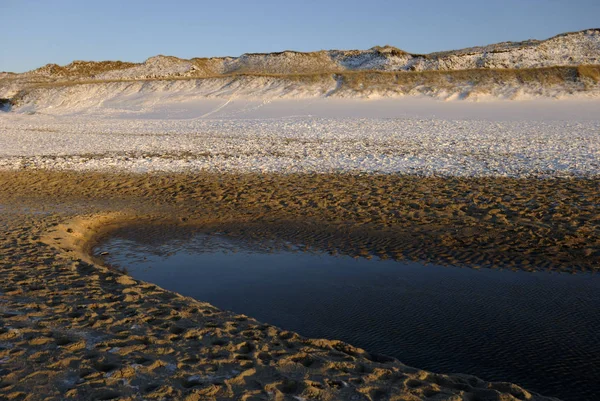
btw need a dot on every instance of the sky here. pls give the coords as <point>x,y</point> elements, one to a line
<point>38,32</point>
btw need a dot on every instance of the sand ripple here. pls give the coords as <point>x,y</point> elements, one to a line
<point>72,329</point>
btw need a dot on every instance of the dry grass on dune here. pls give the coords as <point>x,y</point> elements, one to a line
<point>546,76</point>
<point>362,79</point>
<point>84,68</point>
<point>589,71</point>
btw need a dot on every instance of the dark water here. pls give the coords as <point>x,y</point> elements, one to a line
<point>540,330</point>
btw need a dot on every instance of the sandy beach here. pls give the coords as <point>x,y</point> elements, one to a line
<point>74,329</point>
<point>258,201</point>
<point>501,184</point>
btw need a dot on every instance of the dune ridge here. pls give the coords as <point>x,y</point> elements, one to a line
<point>564,65</point>
<point>568,49</point>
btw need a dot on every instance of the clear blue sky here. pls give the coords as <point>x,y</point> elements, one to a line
<point>37,32</point>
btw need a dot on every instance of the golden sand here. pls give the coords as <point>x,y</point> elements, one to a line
<point>71,328</point>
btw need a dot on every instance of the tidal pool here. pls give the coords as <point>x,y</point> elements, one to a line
<point>540,330</point>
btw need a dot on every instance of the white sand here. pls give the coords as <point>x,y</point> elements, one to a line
<point>166,131</point>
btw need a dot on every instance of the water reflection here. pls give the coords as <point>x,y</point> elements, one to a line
<point>540,330</point>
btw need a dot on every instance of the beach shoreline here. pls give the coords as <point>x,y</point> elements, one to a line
<point>552,223</point>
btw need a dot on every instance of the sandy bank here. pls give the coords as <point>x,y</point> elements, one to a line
<point>524,223</point>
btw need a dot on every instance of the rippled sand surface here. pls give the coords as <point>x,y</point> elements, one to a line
<point>71,328</point>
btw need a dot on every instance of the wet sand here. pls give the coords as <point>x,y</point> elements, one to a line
<point>72,328</point>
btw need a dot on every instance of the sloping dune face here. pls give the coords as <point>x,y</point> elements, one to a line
<point>551,82</point>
